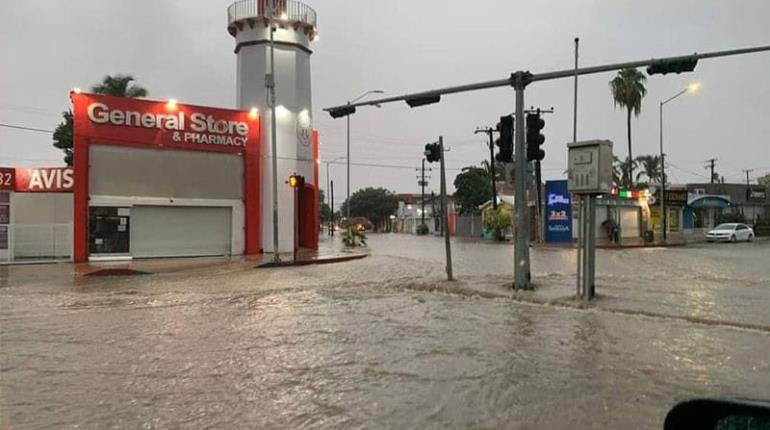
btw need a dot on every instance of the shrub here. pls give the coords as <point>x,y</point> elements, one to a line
<point>498,220</point>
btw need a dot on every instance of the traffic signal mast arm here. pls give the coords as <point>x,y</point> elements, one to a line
<point>434,95</point>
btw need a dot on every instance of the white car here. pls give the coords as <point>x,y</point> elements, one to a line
<point>731,232</point>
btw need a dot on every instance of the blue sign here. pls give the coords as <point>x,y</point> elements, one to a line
<point>558,212</point>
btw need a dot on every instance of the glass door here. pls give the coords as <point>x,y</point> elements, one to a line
<point>108,230</point>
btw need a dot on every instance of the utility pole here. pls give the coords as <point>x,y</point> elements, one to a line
<point>490,131</point>
<point>423,183</point>
<point>712,165</point>
<point>433,207</point>
<point>747,171</point>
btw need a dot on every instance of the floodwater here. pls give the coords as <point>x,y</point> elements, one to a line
<point>375,343</point>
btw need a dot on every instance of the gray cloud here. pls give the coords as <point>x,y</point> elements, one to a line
<point>181,49</point>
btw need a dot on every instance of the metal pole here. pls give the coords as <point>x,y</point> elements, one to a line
<point>422,193</point>
<point>540,220</point>
<point>580,199</point>
<point>492,168</point>
<point>584,247</point>
<point>296,235</point>
<point>274,140</point>
<point>590,286</point>
<point>552,75</point>
<point>521,275</point>
<point>575,98</point>
<point>327,195</point>
<point>347,205</point>
<point>331,187</point>
<point>663,217</point>
<point>444,211</point>
<point>580,241</point>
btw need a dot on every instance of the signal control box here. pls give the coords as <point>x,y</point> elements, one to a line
<point>590,167</point>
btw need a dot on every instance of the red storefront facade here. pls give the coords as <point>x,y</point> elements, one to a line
<point>156,162</point>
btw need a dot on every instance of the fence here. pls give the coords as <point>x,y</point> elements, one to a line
<point>469,226</point>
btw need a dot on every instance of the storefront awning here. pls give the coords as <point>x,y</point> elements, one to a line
<point>709,201</point>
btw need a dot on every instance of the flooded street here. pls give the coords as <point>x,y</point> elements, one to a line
<point>384,342</point>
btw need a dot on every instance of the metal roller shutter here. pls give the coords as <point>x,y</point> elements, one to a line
<point>180,231</point>
<point>629,222</point>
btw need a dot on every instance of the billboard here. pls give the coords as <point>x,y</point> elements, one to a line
<point>37,179</point>
<point>558,212</point>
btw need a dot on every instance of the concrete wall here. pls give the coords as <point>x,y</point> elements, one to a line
<point>41,225</point>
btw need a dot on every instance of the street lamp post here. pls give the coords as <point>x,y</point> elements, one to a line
<point>664,216</point>
<point>347,208</point>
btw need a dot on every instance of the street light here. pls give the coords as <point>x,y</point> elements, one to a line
<point>347,208</point>
<point>692,88</point>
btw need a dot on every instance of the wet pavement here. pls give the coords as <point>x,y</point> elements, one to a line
<point>384,342</point>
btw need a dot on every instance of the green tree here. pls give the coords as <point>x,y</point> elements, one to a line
<point>117,85</point>
<point>628,91</point>
<point>651,168</point>
<point>324,211</point>
<point>376,204</point>
<point>472,189</point>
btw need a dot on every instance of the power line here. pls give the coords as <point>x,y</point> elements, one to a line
<point>21,127</point>
<point>687,171</point>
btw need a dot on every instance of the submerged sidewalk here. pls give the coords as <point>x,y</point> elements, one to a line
<point>329,251</point>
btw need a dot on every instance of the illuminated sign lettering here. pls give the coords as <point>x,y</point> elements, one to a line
<point>200,129</point>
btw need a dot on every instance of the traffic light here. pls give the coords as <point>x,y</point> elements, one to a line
<point>677,66</point>
<point>534,138</point>
<point>432,152</point>
<point>505,140</point>
<point>296,181</point>
<point>422,101</point>
<point>342,111</point>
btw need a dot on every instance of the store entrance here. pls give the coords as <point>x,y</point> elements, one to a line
<point>108,230</point>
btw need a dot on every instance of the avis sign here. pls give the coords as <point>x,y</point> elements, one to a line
<point>44,180</point>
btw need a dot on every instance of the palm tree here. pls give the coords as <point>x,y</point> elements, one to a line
<point>117,85</point>
<point>650,168</point>
<point>628,91</point>
<point>621,169</point>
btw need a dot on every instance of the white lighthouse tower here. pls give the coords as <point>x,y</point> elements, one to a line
<point>294,26</point>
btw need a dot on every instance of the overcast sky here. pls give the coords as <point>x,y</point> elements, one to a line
<point>181,49</point>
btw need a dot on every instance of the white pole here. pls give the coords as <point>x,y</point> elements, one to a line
<point>274,141</point>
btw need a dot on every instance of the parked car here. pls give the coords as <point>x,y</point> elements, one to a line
<point>731,232</point>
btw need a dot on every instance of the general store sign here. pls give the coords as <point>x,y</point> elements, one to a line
<point>119,120</point>
<point>37,179</point>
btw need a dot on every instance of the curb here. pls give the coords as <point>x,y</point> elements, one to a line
<point>320,260</point>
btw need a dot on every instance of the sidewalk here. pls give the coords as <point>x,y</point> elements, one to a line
<point>329,251</point>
